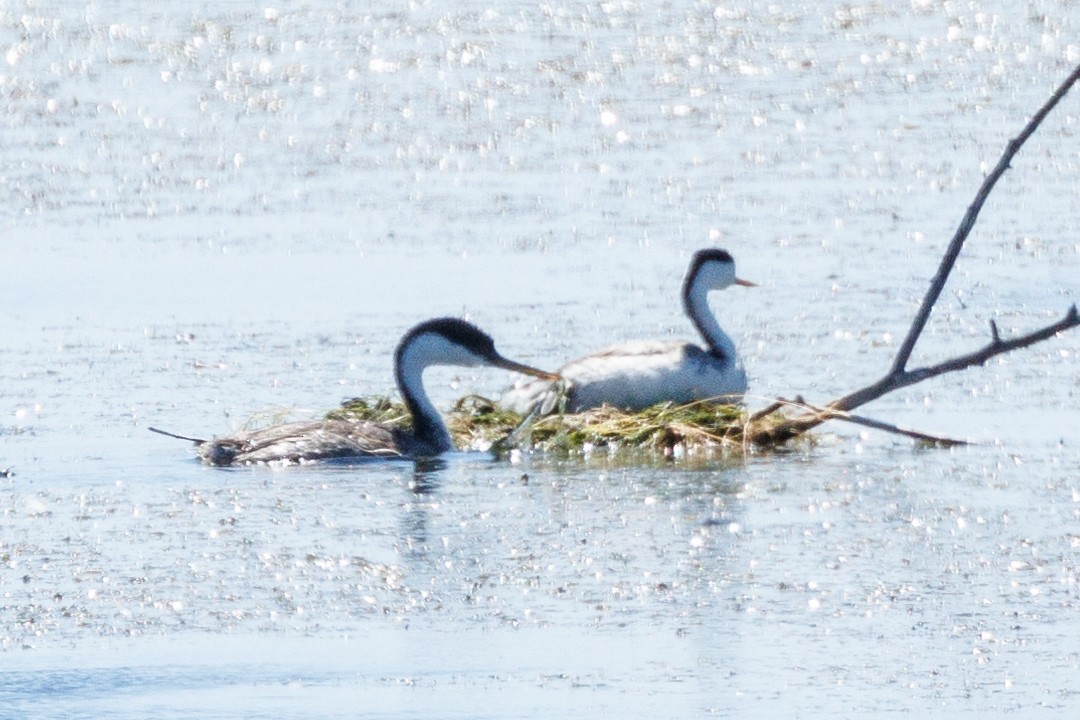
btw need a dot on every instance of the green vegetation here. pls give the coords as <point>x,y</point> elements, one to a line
<point>378,409</point>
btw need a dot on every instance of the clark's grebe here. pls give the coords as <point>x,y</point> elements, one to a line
<point>635,375</point>
<point>443,341</point>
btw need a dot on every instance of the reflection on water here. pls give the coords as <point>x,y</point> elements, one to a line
<point>424,486</point>
<point>214,210</point>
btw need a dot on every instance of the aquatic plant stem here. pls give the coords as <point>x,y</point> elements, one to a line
<point>898,375</point>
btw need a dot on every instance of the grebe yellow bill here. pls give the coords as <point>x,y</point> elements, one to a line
<point>442,341</point>
<point>635,375</point>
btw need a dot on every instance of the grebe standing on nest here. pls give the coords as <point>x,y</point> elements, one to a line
<point>635,375</point>
<point>443,341</point>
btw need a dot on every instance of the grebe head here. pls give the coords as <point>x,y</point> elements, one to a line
<point>442,341</point>
<point>450,341</point>
<point>713,269</point>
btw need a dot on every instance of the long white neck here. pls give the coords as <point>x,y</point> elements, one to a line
<point>428,425</point>
<point>696,305</point>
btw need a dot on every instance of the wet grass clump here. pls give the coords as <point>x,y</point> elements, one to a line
<point>667,429</point>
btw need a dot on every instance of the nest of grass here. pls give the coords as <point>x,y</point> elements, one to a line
<point>667,429</point>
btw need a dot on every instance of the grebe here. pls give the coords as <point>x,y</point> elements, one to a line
<point>635,375</point>
<point>443,341</point>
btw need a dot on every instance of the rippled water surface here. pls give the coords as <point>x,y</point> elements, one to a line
<point>214,212</point>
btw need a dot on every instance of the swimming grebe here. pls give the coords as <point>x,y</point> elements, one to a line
<point>443,341</point>
<point>635,375</point>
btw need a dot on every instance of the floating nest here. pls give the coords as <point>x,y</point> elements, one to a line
<point>666,429</point>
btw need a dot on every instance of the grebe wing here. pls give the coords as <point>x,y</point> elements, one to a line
<point>625,359</point>
<point>299,441</point>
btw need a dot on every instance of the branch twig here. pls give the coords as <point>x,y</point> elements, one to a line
<point>834,414</point>
<point>166,433</point>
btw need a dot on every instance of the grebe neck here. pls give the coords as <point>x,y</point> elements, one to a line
<point>696,305</point>
<point>429,430</point>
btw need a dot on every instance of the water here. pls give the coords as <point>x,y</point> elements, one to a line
<point>219,211</point>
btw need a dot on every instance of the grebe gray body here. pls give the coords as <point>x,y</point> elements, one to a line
<point>635,375</point>
<point>443,341</point>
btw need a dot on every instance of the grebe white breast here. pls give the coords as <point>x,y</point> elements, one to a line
<point>442,341</point>
<point>635,375</point>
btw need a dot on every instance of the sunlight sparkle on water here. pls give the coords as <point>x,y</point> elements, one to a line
<point>216,210</point>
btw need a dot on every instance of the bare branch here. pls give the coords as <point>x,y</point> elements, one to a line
<point>894,381</point>
<point>898,375</point>
<point>968,222</point>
